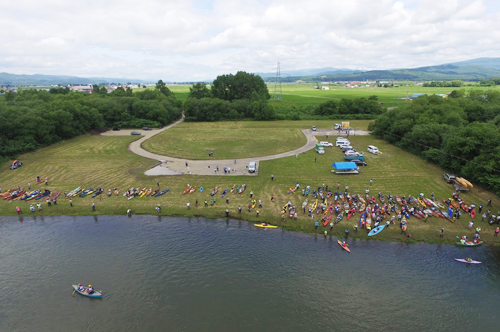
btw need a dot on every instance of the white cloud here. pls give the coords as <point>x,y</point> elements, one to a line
<point>198,39</point>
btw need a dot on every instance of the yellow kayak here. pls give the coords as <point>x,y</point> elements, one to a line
<point>265,226</point>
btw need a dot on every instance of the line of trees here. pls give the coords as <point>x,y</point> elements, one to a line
<point>349,106</point>
<point>30,119</point>
<point>445,84</point>
<point>460,133</point>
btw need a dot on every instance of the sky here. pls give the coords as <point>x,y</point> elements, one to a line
<point>196,40</point>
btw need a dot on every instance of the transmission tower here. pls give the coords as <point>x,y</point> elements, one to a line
<point>277,85</point>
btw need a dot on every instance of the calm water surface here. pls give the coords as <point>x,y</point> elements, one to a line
<point>180,274</point>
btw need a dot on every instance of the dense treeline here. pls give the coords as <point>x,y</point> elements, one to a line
<point>460,133</point>
<point>349,106</point>
<point>30,119</point>
<point>444,84</point>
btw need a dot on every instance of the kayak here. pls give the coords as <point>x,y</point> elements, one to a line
<point>345,248</point>
<point>466,261</point>
<point>469,244</point>
<point>95,294</point>
<point>339,218</point>
<point>265,226</point>
<point>376,230</point>
<point>161,192</point>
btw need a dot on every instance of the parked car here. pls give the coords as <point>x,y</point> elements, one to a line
<point>372,149</point>
<point>326,144</point>
<point>359,162</point>
<point>147,128</point>
<point>347,148</point>
<point>16,164</point>
<point>313,128</point>
<point>352,153</point>
<point>135,133</point>
<point>116,128</point>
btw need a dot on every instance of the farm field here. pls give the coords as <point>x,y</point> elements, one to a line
<point>302,95</point>
<point>99,161</point>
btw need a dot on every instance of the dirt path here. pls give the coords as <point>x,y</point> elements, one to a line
<point>176,166</point>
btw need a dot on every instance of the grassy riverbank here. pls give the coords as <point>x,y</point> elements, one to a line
<point>104,161</point>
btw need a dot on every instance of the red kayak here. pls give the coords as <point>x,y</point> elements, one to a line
<point>327,220</point>
<point>473,213</point>
<point>350,213</point>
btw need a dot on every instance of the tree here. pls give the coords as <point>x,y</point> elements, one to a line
<point>198,91</point>
<point>240,86</point>
<point>162,87</point>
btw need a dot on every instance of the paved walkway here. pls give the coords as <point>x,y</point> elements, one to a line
<point>176,166</point>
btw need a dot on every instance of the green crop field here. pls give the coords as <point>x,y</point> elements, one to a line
<point>303,95</point>
<point>104,161</point>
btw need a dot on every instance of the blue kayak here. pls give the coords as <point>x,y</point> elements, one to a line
<point>376,230</point>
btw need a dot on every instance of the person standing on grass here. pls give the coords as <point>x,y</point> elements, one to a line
<point>442,233</point>
<point>188,205</point>
<point>272,177</point>
<point>489,202</point>
<point>18,210</point>
<point>371,182</point>
<point>497,231</point>
<point>93,207</point>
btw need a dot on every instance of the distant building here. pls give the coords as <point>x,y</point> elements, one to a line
<point>81,88</point>
<point>325,88</point>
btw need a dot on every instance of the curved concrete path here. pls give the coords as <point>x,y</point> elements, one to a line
<point>176,166</point>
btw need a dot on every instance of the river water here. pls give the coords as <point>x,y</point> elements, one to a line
<point>180,274</point>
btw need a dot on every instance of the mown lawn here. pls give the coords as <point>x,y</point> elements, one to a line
<point>228,140</point>
<point>104,161</point>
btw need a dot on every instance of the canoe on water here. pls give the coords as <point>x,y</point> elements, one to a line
<point>467,261</point>
<point>345,248</point>
<point>95,294</point>
<point>265,225</point>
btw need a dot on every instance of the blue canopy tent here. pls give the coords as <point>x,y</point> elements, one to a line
<point>345,168</point>
<point>344,165</point>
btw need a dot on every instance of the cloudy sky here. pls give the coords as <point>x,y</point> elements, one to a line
<point>190,40</point>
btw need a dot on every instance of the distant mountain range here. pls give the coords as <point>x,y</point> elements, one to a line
<point>47,80</point>
<point>470,70</point>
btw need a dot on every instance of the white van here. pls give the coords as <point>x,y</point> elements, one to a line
<point>372,149</point>
<point>341,139</point>
<point>341,143</point>
<point>252,167</point>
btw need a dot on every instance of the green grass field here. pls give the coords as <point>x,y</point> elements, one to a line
<point>302,95</point>
<point>103,161</point>
<point>228,140</point>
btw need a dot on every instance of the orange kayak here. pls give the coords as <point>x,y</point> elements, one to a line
<point>345,248</point>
